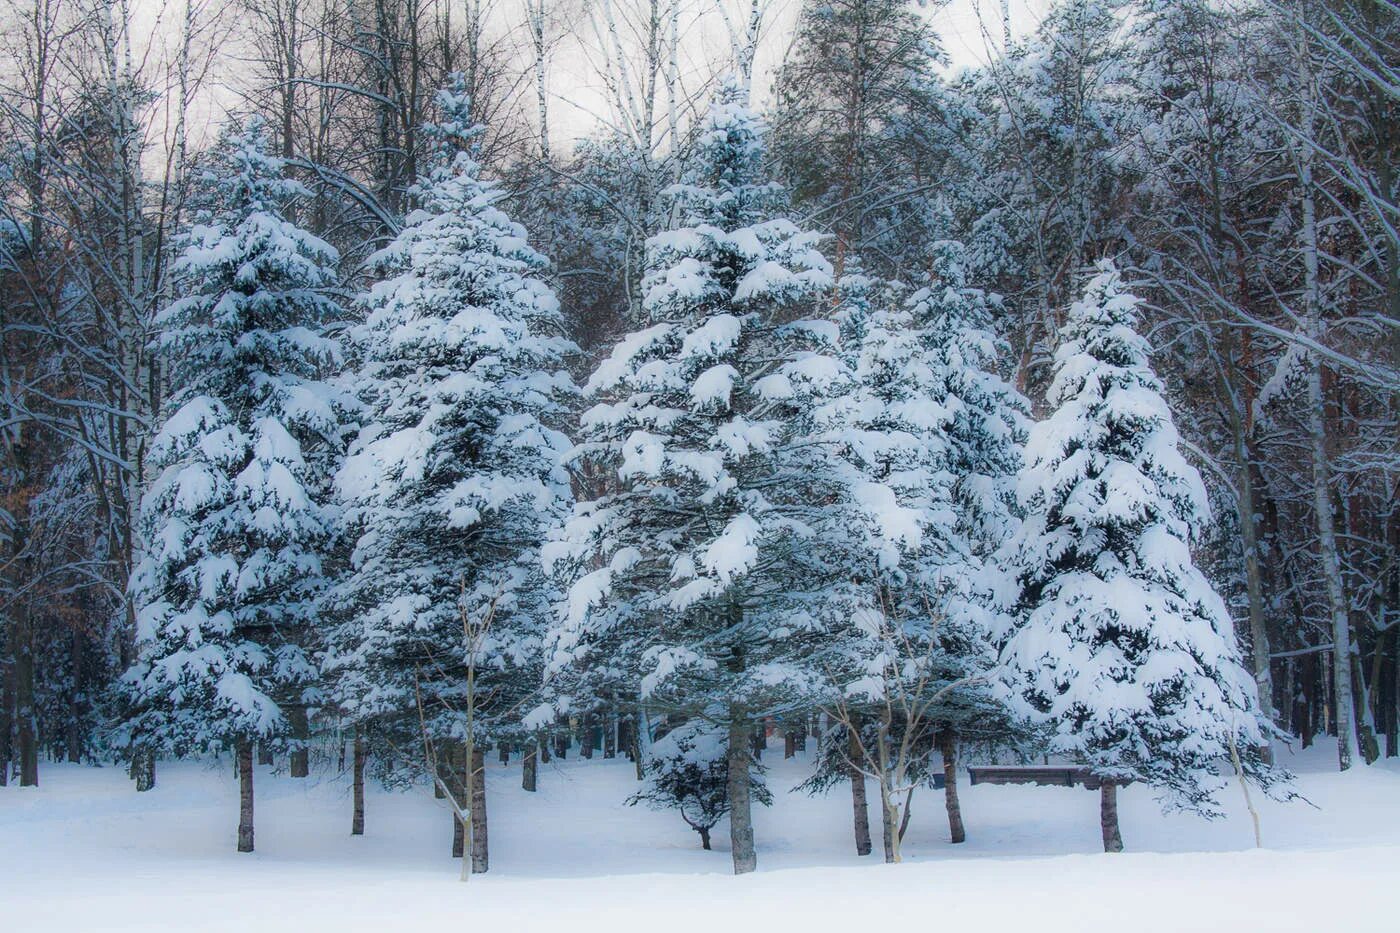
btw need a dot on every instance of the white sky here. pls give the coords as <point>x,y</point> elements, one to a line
<point>578,101</point>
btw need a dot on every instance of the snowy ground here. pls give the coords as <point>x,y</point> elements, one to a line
<point>84,852</point>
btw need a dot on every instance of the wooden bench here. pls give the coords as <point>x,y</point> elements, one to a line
<point>1062,776</point>
<point>1043,775</point>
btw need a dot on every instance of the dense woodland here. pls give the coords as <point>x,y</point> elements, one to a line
<point>1048,408</point>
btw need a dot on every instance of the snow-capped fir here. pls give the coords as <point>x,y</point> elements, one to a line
<point>1118,643</point>
<point>233,525</point>
<point>689,561</point>
<point>457,470</point>
<point>987,418</point>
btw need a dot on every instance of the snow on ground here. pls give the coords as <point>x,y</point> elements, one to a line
<point>85,852</point>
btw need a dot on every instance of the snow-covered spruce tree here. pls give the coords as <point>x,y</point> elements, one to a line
<point>455,475</point>
<point>1118,643</point>
<point>693,576</point>
<point>928,441</point>
<point>232,526</point>
<point>987,418</point>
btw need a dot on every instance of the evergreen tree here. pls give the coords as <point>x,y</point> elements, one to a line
<point>456,473</point>
<point>233,525</point>
<point>986,417</point>
<point>852,82</point>
<point>1040,186</point>
<point>1119,644</point>
<point>692,567</point>
<point>928,440</point>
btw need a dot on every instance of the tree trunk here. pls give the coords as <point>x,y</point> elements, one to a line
<point>245,796</point>
<point>457,787</point>
<point>1108,817</point>
<point>740,814</point>
<point>1323,514</point>
<point>626,741</point>
<point>858,802</point>
<point>1392,734</point>
<point>542,743</point>
<point>72,740</point>
<point>704,832</point>
<point>357,819</point>
<point>561,745</point>
<point>301,732</point>
<point>789,744</point>
<point>1370,744</point>
<point>143,769</point>
<point>1254,587</point>
<point>947,744</point>
<point>26,727</point>
<point>528,767</point>
<point>7,705</point>
<point>585,736</point>
<point>1307,719</point>
<point>889,824</point>
<point>264,754</point>
<point>610,735</point>
<point>459,835</point>
<point>480,850</point>
<point>503,752</point>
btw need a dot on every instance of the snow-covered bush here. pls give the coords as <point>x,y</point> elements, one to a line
<point>687,771</point>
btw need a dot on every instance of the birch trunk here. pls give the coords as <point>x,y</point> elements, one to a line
<point>889,824</point>
<point>1343,703</point>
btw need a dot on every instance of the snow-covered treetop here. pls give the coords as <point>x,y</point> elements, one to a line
<point>722,184</point>
<point>454,135</point>
<point>1111,421</point>
<point>255,286</point>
